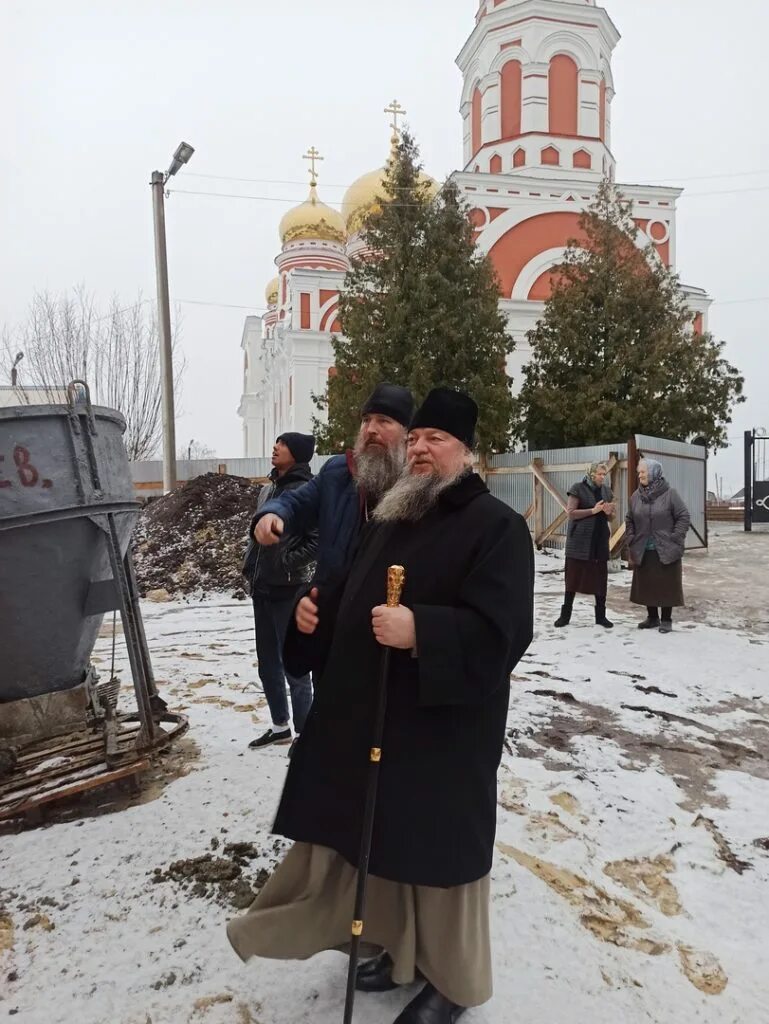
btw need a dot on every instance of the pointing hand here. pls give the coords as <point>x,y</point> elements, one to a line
<point>268,530</point>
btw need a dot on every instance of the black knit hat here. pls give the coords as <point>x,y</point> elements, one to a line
<point>301,446</point>
<point>390,400</point>
<point>452,411</point>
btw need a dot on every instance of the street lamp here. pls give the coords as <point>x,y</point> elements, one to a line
<point>158,182</point>
<point>14,371</point>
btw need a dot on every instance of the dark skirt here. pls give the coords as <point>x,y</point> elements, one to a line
<point>586,577</point>
<point>656,585</point>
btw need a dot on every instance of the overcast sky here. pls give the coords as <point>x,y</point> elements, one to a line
<point>96,94</point>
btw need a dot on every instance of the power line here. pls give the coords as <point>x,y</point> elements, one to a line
<point>231,195</point>
<point>297,201</point>
<point>259,181</point>
<point>327,184</point>
<point>707,177</point>
<point>265,309</point>
<point>119,312</point>
<point>264,199</point>
<point>222,305</point>
<point>726,191</point>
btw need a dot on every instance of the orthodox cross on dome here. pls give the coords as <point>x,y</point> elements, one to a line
<point>313,155</point>
<point>397,111</point>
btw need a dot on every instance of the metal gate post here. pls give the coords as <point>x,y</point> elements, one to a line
<point>748,490</point>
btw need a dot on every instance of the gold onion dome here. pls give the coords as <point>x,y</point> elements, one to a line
<point>312,220</point>
<point>362,197</point>
<point>271,292</point>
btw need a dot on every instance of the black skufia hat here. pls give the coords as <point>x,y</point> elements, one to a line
<point>452,411</point>
<point>390,400</point>
<point>301,446</point>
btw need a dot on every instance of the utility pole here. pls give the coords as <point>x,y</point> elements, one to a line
<point>158,184</point>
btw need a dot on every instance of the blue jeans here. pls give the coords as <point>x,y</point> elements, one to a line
<point>271,617</point>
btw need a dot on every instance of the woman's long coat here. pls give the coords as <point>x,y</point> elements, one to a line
<point>469,581</point>
<point>665,520</point>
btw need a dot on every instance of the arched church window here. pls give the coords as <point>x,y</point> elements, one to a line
<point>511,99</point>
<point>563,89</point>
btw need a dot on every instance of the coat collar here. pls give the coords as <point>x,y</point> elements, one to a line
<point>464,491</point>
<point>300,472</point>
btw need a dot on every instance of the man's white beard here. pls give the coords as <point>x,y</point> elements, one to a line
<point>414,495</point>
<point>378,468</point>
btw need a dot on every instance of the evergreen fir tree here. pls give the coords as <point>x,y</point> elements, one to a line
<point>420,310</point>
<point>615,352</point>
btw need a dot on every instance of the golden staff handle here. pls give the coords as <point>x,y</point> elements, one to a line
<point>396,578</point>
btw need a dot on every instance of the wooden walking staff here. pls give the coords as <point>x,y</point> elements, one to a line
<point>396,577</point>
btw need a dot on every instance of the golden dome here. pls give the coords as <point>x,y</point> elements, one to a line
<point>312,220</point>
<point>360,199</point>
<point>271,292</point>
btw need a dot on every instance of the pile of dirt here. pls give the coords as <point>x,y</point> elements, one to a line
<point>230,879</point>
<point>194,539</point>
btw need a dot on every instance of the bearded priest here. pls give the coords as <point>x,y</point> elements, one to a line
<point>465,620</point>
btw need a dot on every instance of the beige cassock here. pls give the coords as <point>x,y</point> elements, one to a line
<point>307,907</point>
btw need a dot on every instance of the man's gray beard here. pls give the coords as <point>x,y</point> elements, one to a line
<point>378,468</point>
<point>414,495</point>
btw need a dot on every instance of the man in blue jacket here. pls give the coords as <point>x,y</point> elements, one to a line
<point>347,490</point>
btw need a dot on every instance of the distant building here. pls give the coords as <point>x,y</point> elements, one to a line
<point>536,114</point>
<point>27,395</point>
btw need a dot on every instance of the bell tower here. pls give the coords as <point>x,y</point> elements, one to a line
<point>538,88</point>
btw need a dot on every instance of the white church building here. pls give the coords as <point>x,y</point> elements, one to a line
<point>536,118</point>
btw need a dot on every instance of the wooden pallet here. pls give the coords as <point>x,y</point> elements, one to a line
<point>66,766</point>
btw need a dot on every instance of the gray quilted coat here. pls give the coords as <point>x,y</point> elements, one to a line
<point>665,518</point>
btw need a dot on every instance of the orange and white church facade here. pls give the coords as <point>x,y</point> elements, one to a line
<point>536,113</point>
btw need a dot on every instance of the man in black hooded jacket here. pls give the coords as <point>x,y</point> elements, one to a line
<point>275,576</point>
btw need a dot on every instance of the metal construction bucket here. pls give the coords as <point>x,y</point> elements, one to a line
<point>63,468</point>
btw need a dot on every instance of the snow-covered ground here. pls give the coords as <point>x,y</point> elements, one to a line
<point>632,877</point>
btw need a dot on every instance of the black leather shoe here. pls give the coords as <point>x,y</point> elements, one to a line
<point>375,975</point>
<point>430,1007</point>
<point>649,623</point>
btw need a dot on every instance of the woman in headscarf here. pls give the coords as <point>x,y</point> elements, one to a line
<point>590,507</point>
<point>656,526</point>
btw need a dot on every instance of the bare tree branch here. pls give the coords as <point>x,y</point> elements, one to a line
<point>116,352</point>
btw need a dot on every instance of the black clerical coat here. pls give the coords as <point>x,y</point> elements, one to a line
<point>469,581</point>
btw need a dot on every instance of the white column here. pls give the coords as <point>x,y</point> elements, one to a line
<point>534,98</point>
<point>491,123</point>
<point>609,98</point>
<point>467,132</point>
<point>589,103</point>
<point>305,383</point>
